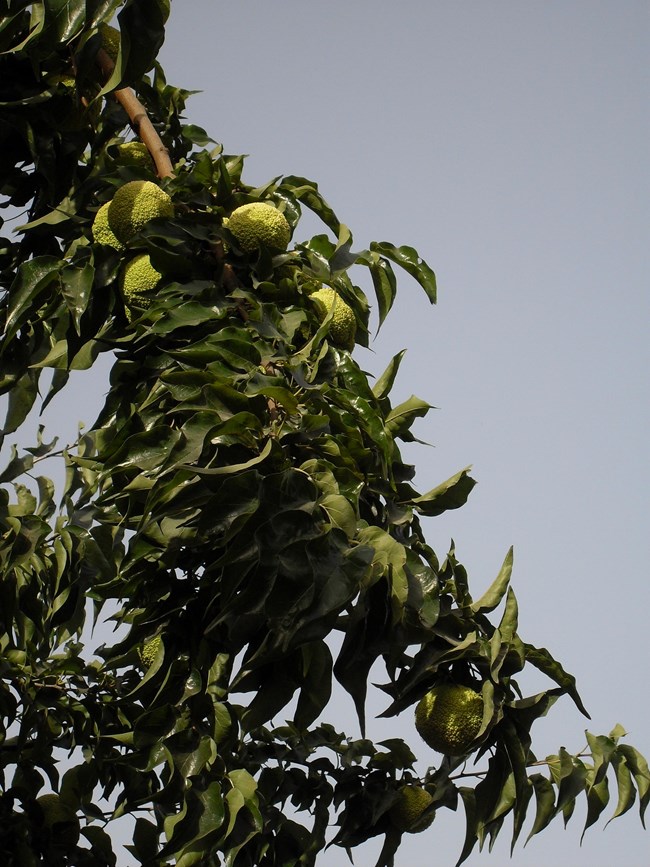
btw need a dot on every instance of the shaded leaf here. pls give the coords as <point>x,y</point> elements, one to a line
<point>495,593</point>
<point>542,660</point>
<point>545,798</point>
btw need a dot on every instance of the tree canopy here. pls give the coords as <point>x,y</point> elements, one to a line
<point>240,507</point>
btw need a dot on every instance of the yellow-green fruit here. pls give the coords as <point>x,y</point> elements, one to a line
<point>60,820</point>
<point>102,232</point>
<point>406,812</point>
<point>149,650</point>
<point>136,203</point>
<point>138,277</point>
<point>343,325</point>
<point>260,223</point>
<point>135,153</point>
<point>449,717</point>
<point>69,82</point>
<point>110,40</point>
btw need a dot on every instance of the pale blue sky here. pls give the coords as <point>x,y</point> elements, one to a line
<point>507,141</point>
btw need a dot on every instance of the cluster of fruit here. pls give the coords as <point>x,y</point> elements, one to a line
<point>448,718</point>
<point>255,224</point>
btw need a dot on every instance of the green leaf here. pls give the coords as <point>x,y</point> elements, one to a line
<point>409,259</point>
<point>451,494</point>
<point>308,193</point>
<point>212,811</point>
<point>153,725</point>
<point>197,135</point>
<point>242,795</point>
<point>145,451</point>
<point>76,286</point>
<point>626,790</point>
<point>542,660</point>
<point>495,593</point>
<point>32,280</point>
<point>572,777</point>
<point>21,399</point>
<point>36,25</point>
<point>391,845</point>
<point>545,798</point>
<point>383,280</point>
<point>389,555</point>
<point>505,634</point>
<point>471,823</point>
<point>100,10</point>
<point>602,750</point>
<point>63,20</point>
<point>317,683</point>
<point>639,768</point>
<point>597,800</point>
<point>143,24</point>
<point>16,466</point>
<point>145,840</point>
<point>101,844</point>
<point>340,513</point>
<point>234,468</point>
<point>385,382</point>
<point>400,419</point>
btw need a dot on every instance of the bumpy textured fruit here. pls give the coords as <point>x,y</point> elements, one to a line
<point>69,82</point>
<point>449,717</point>
<point>406,812</point>
<point>110,40</point>
<point>60,820</point>
<point>102,232</point>
<point>135,153</point>
<point>149,650</point>
<point>138,277</point>
<point>343,325</point>
<point>259,223</point>
<point>134,205</point>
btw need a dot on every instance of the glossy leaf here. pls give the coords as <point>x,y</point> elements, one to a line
<point>451,494</point>
<point>409,259</point>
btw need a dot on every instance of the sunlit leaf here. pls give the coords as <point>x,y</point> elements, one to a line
<point>409,259</point>
<point>451,494</point>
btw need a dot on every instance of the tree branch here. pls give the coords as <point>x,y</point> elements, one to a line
<point>139,118</point>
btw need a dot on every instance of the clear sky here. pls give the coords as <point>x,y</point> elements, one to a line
<point>508,142</point>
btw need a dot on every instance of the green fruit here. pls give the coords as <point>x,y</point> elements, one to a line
<point>259,223</point>
<point>135,153</point>
<point>449,717</point>
<point>138,276</point>
<point>110,40</point>
<point>68,82</point>
<point>149,650</point>
<point>343,326</point>
<point>134,204</point>
<point>406,812</point>
<point>102,232</point>
<point>60,820</point>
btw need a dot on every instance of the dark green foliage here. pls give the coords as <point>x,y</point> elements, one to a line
<point>242,494</point>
